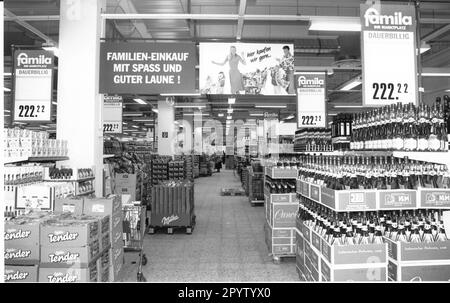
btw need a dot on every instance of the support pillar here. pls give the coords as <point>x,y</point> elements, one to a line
<point>79,112</point>
<point>166,129</point>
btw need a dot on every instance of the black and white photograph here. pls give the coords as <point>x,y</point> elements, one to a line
<point>225,150</point>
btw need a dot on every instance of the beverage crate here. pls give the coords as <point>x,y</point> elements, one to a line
<point>325,262</point>
<point>418,261</point>
<point>374,199</point>
<point>280,173</point>
<point>280,241</point>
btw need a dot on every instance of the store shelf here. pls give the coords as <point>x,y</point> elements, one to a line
<point>34,159</point>
<point>86,193</point>
<point>70,180</point>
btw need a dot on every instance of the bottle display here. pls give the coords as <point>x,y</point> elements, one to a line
<point>341,131</point>
<point>313,140</point>
<point>283,186</point>
<point>372,172</point>
<point>402,127</point>
<point>357,228</point>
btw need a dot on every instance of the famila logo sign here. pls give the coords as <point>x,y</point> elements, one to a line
<point>373,17</point>
<point>24,59</point>
<point>315,81</point>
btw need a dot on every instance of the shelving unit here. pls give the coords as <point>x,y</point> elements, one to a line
<point>34,159</point>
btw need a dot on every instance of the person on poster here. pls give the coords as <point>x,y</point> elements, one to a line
<point>236,79</point>
<point>287,64</point>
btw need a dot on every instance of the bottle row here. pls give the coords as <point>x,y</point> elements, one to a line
<point>274,186</point>
<point>372,172</point>
<point>356,228</point>
<point>401,127</point>
<point>315,140</point>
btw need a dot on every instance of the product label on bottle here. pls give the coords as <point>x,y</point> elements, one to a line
<point>410,144</point>
<point>433,143</point>
<point>397,143</point>
<point>422,144</point>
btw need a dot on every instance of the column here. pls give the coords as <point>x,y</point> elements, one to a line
<point>79,113</point>
<point>166,128</point>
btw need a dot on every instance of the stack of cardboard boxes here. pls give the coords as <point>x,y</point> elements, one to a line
<point>111,207</point>
<point>81,242</point>
<point>127,184</point>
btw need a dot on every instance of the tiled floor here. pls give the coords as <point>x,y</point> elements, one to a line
<point>227,243</point>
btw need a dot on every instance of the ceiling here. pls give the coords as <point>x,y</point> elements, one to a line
<point>274,22</point>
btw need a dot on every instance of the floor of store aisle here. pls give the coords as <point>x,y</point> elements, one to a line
<point>227,243</point>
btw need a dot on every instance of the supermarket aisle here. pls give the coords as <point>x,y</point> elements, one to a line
<point>227,243</point>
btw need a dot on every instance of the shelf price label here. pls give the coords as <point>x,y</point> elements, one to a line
<point>311,91</point>
<point>112,114</point>
<point>389,61</point>
<point>33,84</point>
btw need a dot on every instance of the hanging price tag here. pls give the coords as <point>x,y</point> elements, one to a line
<point>311,111</point>
<point>388,44</point>
<point>33,82</point>
<point>112,115</point>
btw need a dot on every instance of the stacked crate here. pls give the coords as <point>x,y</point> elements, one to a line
<point>111,207</point>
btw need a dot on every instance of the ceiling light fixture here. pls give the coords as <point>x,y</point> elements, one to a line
<point>435,74</point>
<point>231,100</point>
<point>229,117</point>
<point>289,117</point>
<point>220,115</point>
<point>331,25</point>
<point>351,84</point>
<point>143,120</point>
<point>181,94</point>
<point>139,100</point>
<point>270,106</point>
<point>189,106</point>
<point>132,114</point>
<point>424,47</point>
<point>229,111</point>
<point>155,110</point>
<point>7,111</point>
<point>256,115</point>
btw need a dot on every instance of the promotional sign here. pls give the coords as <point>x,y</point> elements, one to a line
<point>112,115</point>
<point>147,68</point>
<point>311,92</point>
<point>33,79</point>
<point>247,68</point>
<point>388,44</point>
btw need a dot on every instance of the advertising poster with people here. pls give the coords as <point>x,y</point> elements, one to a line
<point>247,68</point>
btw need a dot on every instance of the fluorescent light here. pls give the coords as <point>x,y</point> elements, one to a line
<point>154,110</point>
<point>231,100</point>
<point>5,89</point>
<point>447,90</point>
<point>124,123</point>
<point>132,114</point>
<point>19,123</point>
<point>6,115</point>
<point>347,106</point>
<point>228,117</point>
<point>289,117</point>
<point>140,101</point>
<point>220,115</point>
<point>181,94</point>
<point>270,106</point>
<point>189,106</point>
<point>229,111</point>
<point>143,120</point>
<point>7,111</point>
<point>435,74</point>
<point>335,25</point>
<point>45,126</point>
<point>332,114</point>
<point>7,74</point>
<point>424,47</point>
<point>191,114</point>
<point>256,115</point>
<point>351,84</point>
<point>52,49</point>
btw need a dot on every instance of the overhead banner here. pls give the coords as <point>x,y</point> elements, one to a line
<point>147,68</point>
<point>247,68</point>
<point>112,114</point>
<point>33,84</point>
<point>388,44</point>
<point>311,95</point>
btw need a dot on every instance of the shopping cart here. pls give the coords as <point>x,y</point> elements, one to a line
<point>134,218</point>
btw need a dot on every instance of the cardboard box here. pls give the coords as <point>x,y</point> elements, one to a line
<point>117,261</point>
<point>125,180</point>
<point>280,245</point>
<point>103,206</point>
<point>21,238</point>
<point>354,254</point>
<point>415,272</point>
<point>116,236</point>
<point>283,215</point>
<point>79,257</point>
<point>126,190</point>
<point>69,275</point>
<point>17,273</point>
<point>73,205</point>
<point>351,274</point>
<point>419,251</point>
<point>73,232</point>
<point>103,265</point>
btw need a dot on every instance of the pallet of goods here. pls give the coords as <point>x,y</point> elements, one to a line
<point>172,206</point>
<point>387,228</point>
<point>281,206</point>
<point>256,184</point>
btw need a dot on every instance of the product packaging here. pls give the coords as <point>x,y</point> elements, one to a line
<point>79,257</point>
<point>20,273</point>
<point>69,275</point>
<point>71,205</point>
